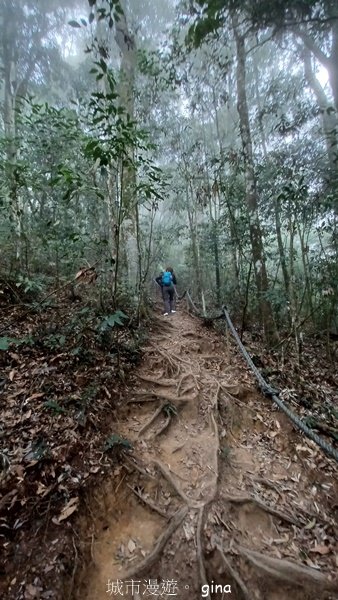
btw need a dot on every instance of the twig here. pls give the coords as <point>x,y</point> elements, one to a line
<point>146,564</point>
<point>267,483</point>
<point>70,594</point>
<point>138,467</point>
<point>149,503</point>
<point>234,574</point>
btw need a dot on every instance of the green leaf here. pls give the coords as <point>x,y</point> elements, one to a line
<point>74,24</point>
<point>4,343</point>
<point>116,440</point>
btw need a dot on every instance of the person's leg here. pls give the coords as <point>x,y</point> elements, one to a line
<point>172,300</point>
<point>166,298</point>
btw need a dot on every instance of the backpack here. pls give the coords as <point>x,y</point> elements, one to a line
<point>167,278</point>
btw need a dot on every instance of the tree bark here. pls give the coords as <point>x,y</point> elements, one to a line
<point>261,277</point>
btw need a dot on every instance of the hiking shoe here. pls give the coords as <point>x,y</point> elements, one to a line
<point>173,311</point>
<point>165,314</point>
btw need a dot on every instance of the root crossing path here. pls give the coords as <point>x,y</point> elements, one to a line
<point>220,497</point>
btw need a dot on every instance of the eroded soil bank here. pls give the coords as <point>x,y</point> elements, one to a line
<point>220,496</point>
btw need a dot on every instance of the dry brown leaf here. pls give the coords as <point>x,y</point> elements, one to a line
<point>31,591</point>
<point>69,509</point>
<point>320,549</point>
<point>35,396</point>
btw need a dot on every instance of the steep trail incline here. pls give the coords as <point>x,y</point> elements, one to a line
<point>220,490</point>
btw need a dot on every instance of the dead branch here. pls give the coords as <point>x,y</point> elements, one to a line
<point>233,573</point>
<point>286,570</point>
<point>167,475</point>
<point>146,564</point>
<point>149,503</point>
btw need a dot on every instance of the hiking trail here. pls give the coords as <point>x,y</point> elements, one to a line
<point>219,490</point>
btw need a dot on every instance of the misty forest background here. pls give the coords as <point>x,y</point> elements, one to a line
<point>141,133</point>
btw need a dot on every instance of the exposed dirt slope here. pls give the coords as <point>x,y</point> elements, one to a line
<point>219,490</point>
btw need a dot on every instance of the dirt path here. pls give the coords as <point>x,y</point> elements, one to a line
<point>219,489</point>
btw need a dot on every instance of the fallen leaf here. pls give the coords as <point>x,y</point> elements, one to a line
<point>320,549</point>
<point>31,591</point>
<point>311,524</point>
<point>34,396</point>
<point>131,546</point>
<point>69,509</point>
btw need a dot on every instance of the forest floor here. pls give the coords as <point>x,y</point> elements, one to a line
<point>220,490</point>
<point>217,489</point>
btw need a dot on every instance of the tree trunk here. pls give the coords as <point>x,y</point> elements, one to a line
<point>261,277</point>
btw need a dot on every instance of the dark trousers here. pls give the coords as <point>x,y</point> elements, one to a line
<point>168,298</point>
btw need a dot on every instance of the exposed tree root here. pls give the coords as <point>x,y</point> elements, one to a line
<point>201,566</point>
<point>146,564</point>
<point>184,378</point>
<point>216,397</point>
<point>164,395</point>
<point>273,511</point>
<point>149,503</point>
<point>235,576</point>
<point>164,426</point>
<point>152,418</point>
<point>216,450</point>
<point>293,573</point>
<point>167,475</point>
<point>150,398</point>
<point>157,380</point>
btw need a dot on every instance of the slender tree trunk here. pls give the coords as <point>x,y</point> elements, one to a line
<point>251,191</point>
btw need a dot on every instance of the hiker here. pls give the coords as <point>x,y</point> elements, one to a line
<point>167,281</point>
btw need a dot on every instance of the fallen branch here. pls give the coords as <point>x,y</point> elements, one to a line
<point>146,564</point>
<point>233,573</point>
<point>293,573</point>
